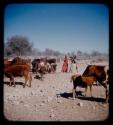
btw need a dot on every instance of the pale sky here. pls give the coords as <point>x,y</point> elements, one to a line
<point>62,27</point>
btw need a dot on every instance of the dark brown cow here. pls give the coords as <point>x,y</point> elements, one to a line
<point>50,61</point>
<point>99,73</point>
<point>18,70</point>
<point>53,64</point>
<point>35,65</point>
<point>38,67</point>
<point>49,65</point>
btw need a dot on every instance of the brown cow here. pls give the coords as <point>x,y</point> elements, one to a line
<point>99,73</point>
<point>18,70</point>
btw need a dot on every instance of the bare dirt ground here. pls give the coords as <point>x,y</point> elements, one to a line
<point>51,100</point>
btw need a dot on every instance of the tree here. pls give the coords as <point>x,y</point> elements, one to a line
<point>18,45</point>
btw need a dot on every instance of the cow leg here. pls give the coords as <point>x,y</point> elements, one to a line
<point>107,93</point>
<point>74,95</point>
<point>91,91</point>
<point>107,96</point>
<point>25,81</point>
<point>74,92</point>
<point>30,79</point>
<point>42,76</point>
<point>10,83</point>
<point>105,86</point>
<point>11,80</point>
<point>35,68</point>
<point>86,90</point>
<point>14,82</point>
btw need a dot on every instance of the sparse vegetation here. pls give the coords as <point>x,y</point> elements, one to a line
<point>21,46</point>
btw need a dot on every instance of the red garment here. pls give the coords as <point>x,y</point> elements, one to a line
<point>65,65</point>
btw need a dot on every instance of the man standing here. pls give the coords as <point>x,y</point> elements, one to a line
<point>73,67</point>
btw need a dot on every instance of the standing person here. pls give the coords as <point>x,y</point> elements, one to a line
<point>65,64</point>
<point>73,67</point>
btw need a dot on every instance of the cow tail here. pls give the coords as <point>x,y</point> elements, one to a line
<point>30,79</point>
<point>30,76</point>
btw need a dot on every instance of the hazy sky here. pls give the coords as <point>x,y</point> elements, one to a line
<point>62,27</point>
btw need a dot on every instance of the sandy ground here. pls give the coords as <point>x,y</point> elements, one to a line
<point>51,99</point>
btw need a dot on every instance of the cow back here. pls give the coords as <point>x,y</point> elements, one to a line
<point>17,70</point>
<point>97,71</point>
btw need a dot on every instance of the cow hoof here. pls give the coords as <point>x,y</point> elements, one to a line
<point>92,97</point>
<point>106,101</point>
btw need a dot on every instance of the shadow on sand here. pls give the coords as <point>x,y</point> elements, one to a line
<point>82,97</point>
<point>16,83</point>
<point>39,77</point>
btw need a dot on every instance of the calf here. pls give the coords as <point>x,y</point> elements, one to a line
<point>18,70</point>
<point>82,81</point>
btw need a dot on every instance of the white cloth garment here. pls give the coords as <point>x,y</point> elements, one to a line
<point>73,68</point>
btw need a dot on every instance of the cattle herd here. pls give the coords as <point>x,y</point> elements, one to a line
<point>23,67</point>
<point>19,67</point>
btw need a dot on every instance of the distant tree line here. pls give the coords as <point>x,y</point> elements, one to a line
<point>21,46</point>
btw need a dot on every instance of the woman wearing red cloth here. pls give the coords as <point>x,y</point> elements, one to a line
<point>65,64</point>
